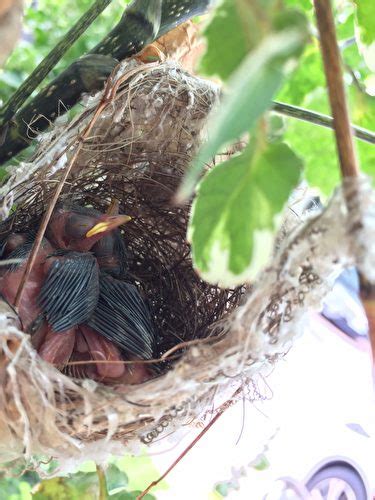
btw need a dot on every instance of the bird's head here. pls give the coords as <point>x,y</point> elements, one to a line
<point>105,225</point>
<point>79,229</point>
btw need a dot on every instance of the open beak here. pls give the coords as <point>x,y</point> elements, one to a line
<point>107,225</point>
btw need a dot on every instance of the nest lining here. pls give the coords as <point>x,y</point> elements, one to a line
<point>137,153</point>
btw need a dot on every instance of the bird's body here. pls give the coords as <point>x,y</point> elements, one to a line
<point>28,307</point>
<point>75,303</point>
<point>101,349</point>
<point>57,348</point>
<point>14,241</point>
<point>110,253</point>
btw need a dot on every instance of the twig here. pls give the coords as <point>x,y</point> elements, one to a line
<point>332,66</point>
<point>311,116</point>
<point>137,27</point>
<point>49,62</point>
<point>121,362</point>
<point>219,412</point>
<point>344,139</point>
<point>167,356</point>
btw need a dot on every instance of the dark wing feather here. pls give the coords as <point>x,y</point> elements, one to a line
<point>123,317</point>
<point>70,292</point>
<point>20,253</point>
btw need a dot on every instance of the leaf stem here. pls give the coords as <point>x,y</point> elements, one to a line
<point>103,495</point>
<point>311,116</point>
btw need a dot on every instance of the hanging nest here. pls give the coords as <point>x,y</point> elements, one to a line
<point>145,128</point>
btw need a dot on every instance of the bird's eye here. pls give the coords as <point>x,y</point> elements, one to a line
<point>78,226</point>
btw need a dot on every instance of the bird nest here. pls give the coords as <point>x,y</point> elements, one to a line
<point>132,143</point>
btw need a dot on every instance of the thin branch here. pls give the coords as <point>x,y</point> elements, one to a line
<point>219,413</point>
<point>49,62</point>
<point>336,92</point>
<point>319,119</point>
<point>344,139</point>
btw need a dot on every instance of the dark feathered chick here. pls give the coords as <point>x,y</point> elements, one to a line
<point>76,303</point>
<point>17,248</point>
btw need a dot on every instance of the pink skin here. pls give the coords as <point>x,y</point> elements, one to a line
<point>57,348</point>
<point>12,242</point>
<point>102,349</point>
<point>28,308</point>
<point>86,370</point>
<point>39,336</point>
<point>133,375</point>
<point>91,346</point>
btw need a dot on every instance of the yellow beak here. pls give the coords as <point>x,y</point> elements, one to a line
<point>108,225</point>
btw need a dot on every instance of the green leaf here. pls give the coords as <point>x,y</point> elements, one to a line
<point>366,20</point>
<point>316,145</point>
<point>141,471</point>
<point>222,489</point>
<point>83,484</point>
<point>116,479</point>
<point>229,39</point>
<point>261,462</point>
<point>249,95</point>
<point>365,16</point>
<point>233,213</point>
<point>306,78</point>
<point>78,486</point>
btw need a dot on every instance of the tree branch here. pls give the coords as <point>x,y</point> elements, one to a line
<point>336,92</point>
<point>319,119</point>
<point>344,139</point>
<point>219,412</point>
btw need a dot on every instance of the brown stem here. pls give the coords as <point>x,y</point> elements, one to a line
<point>219,413</point>
<point>343,131</point>
<point>332,65</point>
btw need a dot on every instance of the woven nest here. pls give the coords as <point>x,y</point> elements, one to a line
<point>214,340</point>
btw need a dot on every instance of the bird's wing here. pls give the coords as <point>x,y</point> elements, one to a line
<point>123,317</point>
<point>70,292</point>
<point>18,256</point>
